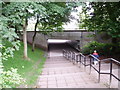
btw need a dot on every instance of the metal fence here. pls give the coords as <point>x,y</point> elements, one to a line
<point>88,61</point>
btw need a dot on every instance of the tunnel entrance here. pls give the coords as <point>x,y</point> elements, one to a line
<point>55,47</point>
<point>57,41</point>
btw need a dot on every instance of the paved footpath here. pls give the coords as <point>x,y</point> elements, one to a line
<point>61,73</point>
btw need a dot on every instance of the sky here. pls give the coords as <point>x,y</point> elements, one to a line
<point>73,25</point>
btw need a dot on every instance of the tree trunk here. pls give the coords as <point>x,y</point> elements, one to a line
<point>15,29</point>
<point>114,48</point>
<point>25,38</point>
<point>33,39</point>
<point>114,40</point>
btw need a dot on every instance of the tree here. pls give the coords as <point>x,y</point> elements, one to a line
<point>7,35</point>
<point>33,39</point>
<point>56,13</point>
<point>20,13</point>
<point>81,18</point>
<point>52,15</point>
<point>25,38</point>
<point>15,17</point>
<point>104,18</point>
<point>18,16</point>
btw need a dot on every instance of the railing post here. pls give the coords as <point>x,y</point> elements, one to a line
<point>70,55</point>
<point>80,60</point>
<point>73,57</point>
<point>67,55</point>
<point>110,72</point>
<point>85,63</point>
<point>63,53</point>
<point>77,58</point>
<point>90,64</point>
<point>99,71</point>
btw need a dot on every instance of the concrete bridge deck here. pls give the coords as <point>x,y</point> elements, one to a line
<point>61,73</point>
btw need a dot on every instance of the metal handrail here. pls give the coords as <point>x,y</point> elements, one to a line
<point>110,73</point>
<point>111,62</point>
<point>115,60</point>
<point>84,61</point>
<point>94,57</point>
<point>75,57</point>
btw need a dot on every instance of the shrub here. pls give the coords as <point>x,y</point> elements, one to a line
<point>102,48</point>
<point>88,49</point>
<point>11,79</point>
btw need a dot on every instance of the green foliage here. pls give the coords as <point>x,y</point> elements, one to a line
<point>13,18</point>
<point>57,13</point>
<point>55,16</point>
<point>102,48</point>
<point>6,78</point>
<point>88,49</point>
<point>29,70</point>
<point>52,15</point>
<point>11,79</point>
<point>7,34</point>
<point>104,17</point>
<point>17,12</point>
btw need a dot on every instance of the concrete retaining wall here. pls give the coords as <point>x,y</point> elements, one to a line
<point>40,40</point>
<point>83,37</point>
<point>78,39</point>
<point>103,38</point>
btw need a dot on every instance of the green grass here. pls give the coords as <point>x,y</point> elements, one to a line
<point>29,70</point>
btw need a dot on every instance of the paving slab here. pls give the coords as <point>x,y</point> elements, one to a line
<point>68,75</point>
<point>58,72</point>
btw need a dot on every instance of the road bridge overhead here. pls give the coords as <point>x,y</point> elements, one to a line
<point>78,38</point>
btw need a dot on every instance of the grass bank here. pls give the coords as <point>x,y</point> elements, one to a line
<point>29,70</point>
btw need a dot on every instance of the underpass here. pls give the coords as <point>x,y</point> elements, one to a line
<point>56,46</point>
<point>79,37</point>
<point>58,72</point>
